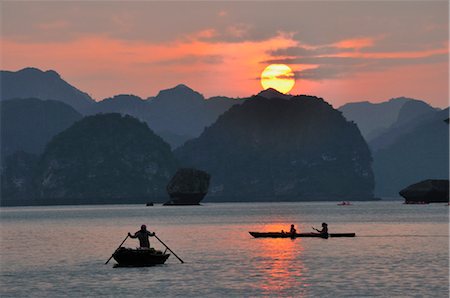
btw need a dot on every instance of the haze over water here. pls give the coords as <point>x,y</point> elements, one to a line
<point>400,250</point>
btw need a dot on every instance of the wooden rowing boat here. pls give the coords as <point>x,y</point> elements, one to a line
<point>141,257</point>
<point>297,235</point>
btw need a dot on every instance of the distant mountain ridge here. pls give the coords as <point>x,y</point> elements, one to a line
<point>373,118</point>
<point>414,153</point>
<point>178,113</point>
<point>28,124</point>
<point>411,114</point>
<point>35,83</point>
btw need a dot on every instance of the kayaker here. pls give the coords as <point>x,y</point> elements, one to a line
<point>292,230</point>
<point>142,235</point>
<point>324,231</point>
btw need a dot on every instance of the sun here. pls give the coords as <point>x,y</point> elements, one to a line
<point>279,77</point>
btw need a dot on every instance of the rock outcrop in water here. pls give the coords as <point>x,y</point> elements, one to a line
<point>427,191</point>
<point>188,187</point>
<point>278,149</point>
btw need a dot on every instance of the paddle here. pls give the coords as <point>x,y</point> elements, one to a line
<point>168,248</point>
<point>117,249</point>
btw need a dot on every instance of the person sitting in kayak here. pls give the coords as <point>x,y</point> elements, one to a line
<point>142,235</point>
<point>324,231</point>
<point>292,230</point>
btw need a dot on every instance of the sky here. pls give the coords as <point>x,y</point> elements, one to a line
<point>343,51</point>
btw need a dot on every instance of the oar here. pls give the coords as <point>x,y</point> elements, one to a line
<point>168,248</point>
<point>117,249</point>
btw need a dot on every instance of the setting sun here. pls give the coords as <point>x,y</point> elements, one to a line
<point>279,77</point>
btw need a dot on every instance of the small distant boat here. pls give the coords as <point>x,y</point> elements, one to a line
<point>344,203</point>
<point>140,257</point>
<point>149,204</point>
<point>297,235</point>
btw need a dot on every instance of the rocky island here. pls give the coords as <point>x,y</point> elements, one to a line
<point>427,191</point>
<point>188,187</point>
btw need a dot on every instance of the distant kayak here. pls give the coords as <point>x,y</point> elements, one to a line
<point>344,203</point>
<point>297,235</point>
<point>128,257</point>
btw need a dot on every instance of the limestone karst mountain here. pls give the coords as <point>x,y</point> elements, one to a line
<point>106,157</point>
<point>278,149</point>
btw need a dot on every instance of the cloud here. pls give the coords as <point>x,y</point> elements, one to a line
<point>324,72</point>
<point>222,13</point>
<point>221,46</point>
<point>355,43</point>
<point>238,30</point>
<point>406,24</point>
<point>53,25</point>
<point>339,67</point>
<point>304,51</point>
<point>349,57</point>
<point>189,59</point>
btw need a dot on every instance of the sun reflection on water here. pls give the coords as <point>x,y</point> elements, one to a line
<point>280,263</point>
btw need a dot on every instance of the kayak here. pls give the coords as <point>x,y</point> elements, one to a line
<point>298,235</point>
<point>344,204</point>
<point>140,257</point>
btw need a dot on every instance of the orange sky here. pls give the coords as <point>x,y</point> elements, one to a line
<point>361,51</point>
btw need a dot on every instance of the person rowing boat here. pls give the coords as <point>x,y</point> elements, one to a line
<point>142,235</point>
<point>324,231</point>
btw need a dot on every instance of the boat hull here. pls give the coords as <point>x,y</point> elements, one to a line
<point>298,235</point>
<point>127,257</point>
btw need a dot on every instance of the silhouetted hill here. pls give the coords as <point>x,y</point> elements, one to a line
<point>184,112</point>
<point>173,139</point>
<point>414,110</point>
<point>32,82</point>
<point>216,106</point>
<point>28,124</point>
<point>411,114</point>
<point>124,103</point>
<point>273,93</point>
<point>418,154</point>
<point>277,149</point>
<point>373,118</point>
<point>179,110</point>
<point>105,158</point>
<point>177,114</point>
<point>17,179</point>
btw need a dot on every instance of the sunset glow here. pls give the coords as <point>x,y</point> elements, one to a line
<point>221,49</point>
<point>279,77</point>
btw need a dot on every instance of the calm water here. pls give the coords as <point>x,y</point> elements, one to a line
<point>400,250</point>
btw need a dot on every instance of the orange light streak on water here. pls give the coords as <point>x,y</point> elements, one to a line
<point>281,264</point>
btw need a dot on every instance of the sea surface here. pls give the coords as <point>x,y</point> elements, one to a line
<point>400,251</point>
